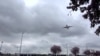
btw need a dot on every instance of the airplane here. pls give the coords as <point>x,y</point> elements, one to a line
<point>67,26</point>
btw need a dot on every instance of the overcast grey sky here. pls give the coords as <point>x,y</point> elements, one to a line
<point>42,24</point>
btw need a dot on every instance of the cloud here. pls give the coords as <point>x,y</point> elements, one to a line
<point>47,20</point>
<point>42,26</point>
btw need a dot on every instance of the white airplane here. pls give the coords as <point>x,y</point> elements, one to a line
<point>67,26</point>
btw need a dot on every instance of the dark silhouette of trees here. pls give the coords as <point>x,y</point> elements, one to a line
<point>75,51</point>
<point>56,49</point>
<point>87,52</point>
<point>96,53</point>
<point>91,11</point>
<point>92,53</point>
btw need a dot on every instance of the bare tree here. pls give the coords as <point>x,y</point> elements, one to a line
<point>75,51</point>
<point>56,49</point>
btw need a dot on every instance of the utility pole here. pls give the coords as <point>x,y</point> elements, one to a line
<point>1,46</point>
<point>21,44</point>
<point>67,50</point>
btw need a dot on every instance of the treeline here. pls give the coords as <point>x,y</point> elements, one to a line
<point>56,50</point>
<point>75,51</point>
